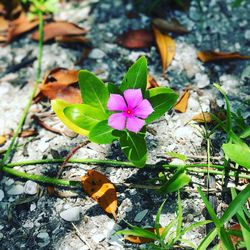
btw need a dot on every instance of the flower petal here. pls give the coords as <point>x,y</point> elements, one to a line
<point>116,103</point>
<point>117,121</point>
<point>134,124</point>
<point>144,109</point>
<point>133,97</point>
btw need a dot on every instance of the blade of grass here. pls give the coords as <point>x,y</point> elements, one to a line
<point>207,240</point>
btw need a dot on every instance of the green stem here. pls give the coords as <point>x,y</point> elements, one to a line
<point>40,178</point>
<point>27,107</point>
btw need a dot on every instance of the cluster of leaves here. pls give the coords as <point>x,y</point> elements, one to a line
<point>165,238</point>
<point>91,117</point>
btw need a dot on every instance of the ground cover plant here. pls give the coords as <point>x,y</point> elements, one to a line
<point>124,114</point>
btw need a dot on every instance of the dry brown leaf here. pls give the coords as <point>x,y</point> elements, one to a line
<point>58,83</point>
<point>98,187</point>
<point>135,39</point>
<point>142,240</point>
<point>60,28</point>
<point>73,39</point>
<point>169,26</point>
<point>234,239</point>
<point>204,117</point>
<point>166,46</point>
<point>4,24</point>
<point>3,139</point>
<point>20,26</point>
<point>182,103</point>
<point>151,82</point>
<point>28,132</point>
<point>209,56</point>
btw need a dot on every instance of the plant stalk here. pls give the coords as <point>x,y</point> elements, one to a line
<point>27,107</point>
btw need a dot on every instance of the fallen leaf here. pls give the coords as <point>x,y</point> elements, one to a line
<point>204,117</point>
<point>169,26</point>
<point>28,133</point>
<point>57,29</point>
<point>182,103</point>
<point>166,46</point>
<point>209,56</point>
<point>101,190</point>
<point>58,84</point>
<point>4,24</point>
<point>20,26</point>
<point>142,240</point>
<point>135,39</point>
<point>73,39</point>
<point>151,82</point>
<point>3,139</point>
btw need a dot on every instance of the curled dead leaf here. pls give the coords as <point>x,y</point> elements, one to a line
<point>27,133</point>
<point>59,84</point>
<point>3,139</point>
<point>151,82</point>
<point>142,240</point>
<point>99,187</point>
<point>73,39</point>
<point>209,56</point>
<point>166,46</point>
<point>182,103</point>
<point>169,26</point>
<point>135,39</point>
<point>57,29</point>
<point>204,117</point>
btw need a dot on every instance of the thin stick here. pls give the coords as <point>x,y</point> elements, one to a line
<point>27,107</point>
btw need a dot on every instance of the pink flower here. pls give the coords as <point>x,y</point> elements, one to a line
<point>133,109</point>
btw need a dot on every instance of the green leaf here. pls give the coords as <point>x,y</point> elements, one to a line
<point>194,225</point>
<point>84,116</point>
<point>136,77</point>
<point>176,182</point>
<point>157,219</point>
<point>245,133</point>
<point>162,100</point>
<point>177,155</point>
<point>237,153</point>
<point>134,147</point>
<point>168,228</point>
<point>114,89</point>
<point>225,239</point>
<point>58,107</point>
<point>179,217</point>
<point>93,90</point>
<point>207,240</point>
<point>101,133</point>
<point>209,209</point>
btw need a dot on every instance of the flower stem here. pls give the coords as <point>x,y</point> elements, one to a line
<point>27,107</point>
<point>40,178</point>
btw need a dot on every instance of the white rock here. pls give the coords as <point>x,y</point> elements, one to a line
<point>43,238</point>
<point>98,238</point>
<point>31,187</point>
<point>139,217</point>
<point>1,236</point>
<point>9,182</point>
<point>247,34</point>
<point>1,194</point>
<point>1,227</point>
<point>202,80</point>
<point>96,54</point>
<point>71,214</point>
<point>15,190</point>
<point>184,133</point>
<point>32,207</point>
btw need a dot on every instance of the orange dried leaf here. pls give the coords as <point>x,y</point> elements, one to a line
<point>166,46</point>
<point>4,24</point>
<point>73,39</point>
<point>135,39</point>
<point>169,26</point>
<point>181,105</point>
<point>151,82</point>
<point>28,133</point>
<point>204,117</point>
<point>98,187</point>
<point>3,139</point>
<point>142,240</point>
<point>209,56</point>
<point>58,84</point>
<point>60,28</point>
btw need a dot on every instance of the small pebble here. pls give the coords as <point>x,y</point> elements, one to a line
<point>31,187</point>
<point>43,238</point>
<point>71,214</point>
<point>139,217</point>
<point>15,190</point>
<point>32,207</point>
<point>247,35</point>
<point>1,236</point>
<point>96,54</point>
<point>1,194</point>
<point>98,238</point>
